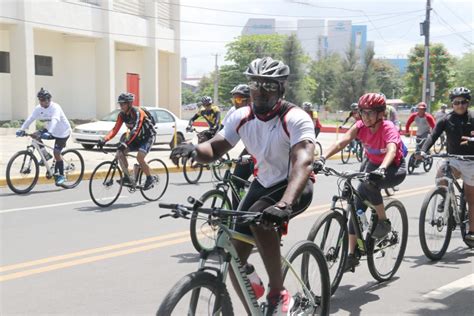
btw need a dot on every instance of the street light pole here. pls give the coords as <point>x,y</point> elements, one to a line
<point>425,31</point>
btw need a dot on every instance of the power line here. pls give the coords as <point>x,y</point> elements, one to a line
<point>277,15</point>
<point>390,16</point>
<point>456,15</point>
<point>443,21</point>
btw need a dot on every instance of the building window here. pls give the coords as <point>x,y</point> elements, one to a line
<point>43,65</point>
<point>94,2</point>
<point>5,62</point>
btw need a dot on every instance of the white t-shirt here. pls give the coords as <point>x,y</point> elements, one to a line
<point>268,141</point>
<point>58,125</point>
<point>231,110</point>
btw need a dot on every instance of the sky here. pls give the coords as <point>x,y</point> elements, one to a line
<point>392,24</point>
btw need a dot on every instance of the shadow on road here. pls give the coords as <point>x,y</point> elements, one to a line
<point>456,304</point>
<point>343,300</point>
<point>97,209</point>
<point>452,258</point>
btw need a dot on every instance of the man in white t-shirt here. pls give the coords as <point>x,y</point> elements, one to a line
<point>58,128</point>
<point>281,137</point>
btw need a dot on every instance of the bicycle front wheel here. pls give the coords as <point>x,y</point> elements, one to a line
<point>411,164</point>
<point>465,222</point>
<point>359,152</point>
<point>318,149</point>
<point>105,184</point>
<point>329,233</point>
<point>160,175</point>
<point>384,256</point>
<point>73,168</point>
<point>427,164</point>
<point>203,232</point>
<point>346,154</point>
<point>198,293</point>
<point>219,168</point>
<point>306,277</point>
<point>22,172</point>
<point>192,171</point>
<point>435,224</point>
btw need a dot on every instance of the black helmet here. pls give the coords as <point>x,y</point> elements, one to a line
<point>460,92</point>
<point>444,106</point>
<point>268,68</point>
<point>354,106</point>
<point>206,100</point>
<point>242,89</point>
<point>43,94</point>
<point>126,97</point>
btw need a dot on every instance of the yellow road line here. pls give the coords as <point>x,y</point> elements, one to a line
<point>309,212</point>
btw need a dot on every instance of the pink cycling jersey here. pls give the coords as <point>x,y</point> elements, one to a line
<point>375,144</point>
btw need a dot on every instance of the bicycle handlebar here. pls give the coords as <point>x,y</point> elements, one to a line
<point>328,171</point>
<point>459,157</point>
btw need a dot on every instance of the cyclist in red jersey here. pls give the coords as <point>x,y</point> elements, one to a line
<point>386,164</point>
<point>141,137</point>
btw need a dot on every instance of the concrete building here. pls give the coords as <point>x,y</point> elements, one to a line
<point>359,40</point>
<point>88,51</point>
<point>184,68</point>
<point>339,36</point>
<point>259,27</point>
<point>311,35</point>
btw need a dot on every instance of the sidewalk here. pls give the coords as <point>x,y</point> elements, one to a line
<point>10,144</point>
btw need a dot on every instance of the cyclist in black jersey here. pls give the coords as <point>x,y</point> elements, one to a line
<point>141,137</point>
<point>459,128</point>
<point>211,113</point>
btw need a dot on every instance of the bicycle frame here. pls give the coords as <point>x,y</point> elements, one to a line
<point>227,255</point>
<point>36,145</point>
<point>228,182</point>
<point>451,194</point>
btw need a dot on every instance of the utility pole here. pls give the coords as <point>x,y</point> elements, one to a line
<point>216,82</point>
<point>425,31</point>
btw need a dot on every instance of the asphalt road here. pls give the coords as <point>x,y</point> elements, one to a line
<point>60,254</point>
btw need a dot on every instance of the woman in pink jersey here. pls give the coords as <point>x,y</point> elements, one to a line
<point>383,148</point>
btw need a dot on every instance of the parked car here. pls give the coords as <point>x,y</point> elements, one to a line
<point>89,134</point>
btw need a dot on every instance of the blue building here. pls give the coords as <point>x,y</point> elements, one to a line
<point>359,40</point>
<point>400,63</point>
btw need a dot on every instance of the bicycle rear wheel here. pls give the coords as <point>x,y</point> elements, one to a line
<point>427,164</point>
<point>198,293</point>
<point>192,171</point>
<point>105,184</point>
<point>73,168</point>
<point>346,154</point>
<point>203,232</point>
<point>411,164</point>
<point>329,233</point>
<point>384,256</point>
<point>219,168</point>
<point>465,223</point>
<point>22,172</point>
<point>435,226</point>
<point>306,277</point>
<point>160,175</point>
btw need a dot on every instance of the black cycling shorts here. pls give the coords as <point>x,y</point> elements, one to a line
<point>143,145</point>
<point>259,198</point>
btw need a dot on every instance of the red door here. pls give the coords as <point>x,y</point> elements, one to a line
<point>133,86</point>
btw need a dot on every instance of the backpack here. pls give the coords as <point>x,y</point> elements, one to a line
<point>150,117</point>
<point>404,149</point>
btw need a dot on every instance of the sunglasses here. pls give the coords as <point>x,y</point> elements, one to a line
<point>463,102</point>
<point>267,86</point>
<point>239,99</point>
<point>43,100</point>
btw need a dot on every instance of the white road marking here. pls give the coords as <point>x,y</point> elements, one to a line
<point>451,288</point>
<point>49,205</point>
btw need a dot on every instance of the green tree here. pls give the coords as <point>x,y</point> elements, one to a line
<point>349,85</point>
<point>440,64</point>
<point>387,78</point>
<point>206,86</point>
<point>464,71</point>
<point>249,47</point>
<point>325,74</point>
<point>187,96</point>
<point>229,77</point>
<point>293,56</point>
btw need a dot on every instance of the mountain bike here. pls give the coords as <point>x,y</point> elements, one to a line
<point>192,170</point>
<point>318,149</point>
<point>443,208</point>
<point>23,168</point>
<point>204,292</point>
<point>330,232</point>
<point>203,232</point>
<point>440,144</point>
<point>413,163</point>
<point>106,182</point>
<point>355,148</point>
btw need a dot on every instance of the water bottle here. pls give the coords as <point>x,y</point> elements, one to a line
<point>241,193</point>
<point>255,281</point>
<point>363,219</point>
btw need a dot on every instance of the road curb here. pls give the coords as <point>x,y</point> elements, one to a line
<point>87,174</point>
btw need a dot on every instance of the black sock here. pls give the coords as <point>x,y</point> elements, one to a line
<point>59,167</point>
